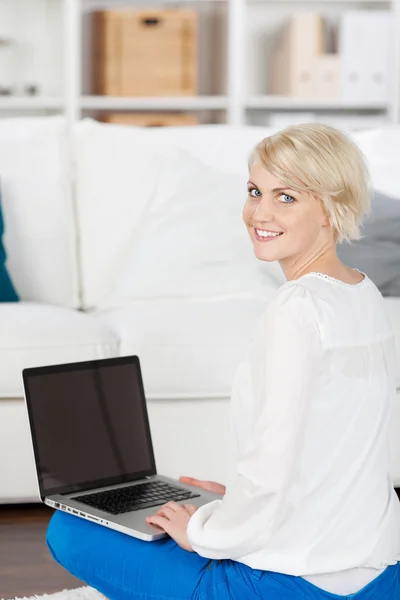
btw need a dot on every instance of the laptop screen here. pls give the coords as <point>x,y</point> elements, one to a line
<point>89,424</point>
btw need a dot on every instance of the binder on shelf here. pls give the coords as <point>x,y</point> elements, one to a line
<point>365,38</point>
<point>303,43</point>
<point>294,61</point>
<point>107,33</point>
<point>327,76</point>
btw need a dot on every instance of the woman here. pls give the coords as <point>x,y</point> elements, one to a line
<point>312,512</point>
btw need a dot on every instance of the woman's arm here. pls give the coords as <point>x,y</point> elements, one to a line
<point>286,359</point>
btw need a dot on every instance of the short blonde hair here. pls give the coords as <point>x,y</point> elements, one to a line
<point>324,161</point>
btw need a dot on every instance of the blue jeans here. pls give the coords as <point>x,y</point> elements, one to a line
<point>126,568</point>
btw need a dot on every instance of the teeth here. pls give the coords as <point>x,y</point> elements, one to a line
<point>266,233</point>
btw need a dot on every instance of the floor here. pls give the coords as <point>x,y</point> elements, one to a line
<point>26,566</point>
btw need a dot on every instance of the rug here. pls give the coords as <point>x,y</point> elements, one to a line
<point>81,593</point>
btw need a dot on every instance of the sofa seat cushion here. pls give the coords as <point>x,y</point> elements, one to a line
<point>187,348</point>
<point>34,334</point>
<point>192,348</point>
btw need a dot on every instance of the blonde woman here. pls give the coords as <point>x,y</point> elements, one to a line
<point>312,512</point>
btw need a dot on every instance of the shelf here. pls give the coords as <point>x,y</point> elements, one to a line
<point>135,3</point>
<point>326,1</point>
<point>188,103</point>
<point>291,103</point>
<point>30,103</point>
<point>154,103</point>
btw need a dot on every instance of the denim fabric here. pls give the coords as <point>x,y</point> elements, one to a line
<point>125,568</point>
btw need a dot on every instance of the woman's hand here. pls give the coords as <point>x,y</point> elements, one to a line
<point>210,486</point>
<point>173,518</point>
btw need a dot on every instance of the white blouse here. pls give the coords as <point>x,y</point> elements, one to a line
<point>311,404</point>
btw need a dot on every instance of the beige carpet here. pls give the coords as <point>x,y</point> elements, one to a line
<point>82,593</point>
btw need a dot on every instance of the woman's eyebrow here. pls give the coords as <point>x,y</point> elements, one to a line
<point>281,189</point>
<point>274,191</point>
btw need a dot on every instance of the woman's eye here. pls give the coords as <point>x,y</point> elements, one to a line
<point>287,199</point>
<point>257,192</point>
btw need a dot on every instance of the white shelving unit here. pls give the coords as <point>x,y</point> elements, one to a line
<point>239,101</point>
<point>286,102</point>
<point>154,103</point>
<point>33,103</point>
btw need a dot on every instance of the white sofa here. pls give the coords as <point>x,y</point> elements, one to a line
<point>91,286</point>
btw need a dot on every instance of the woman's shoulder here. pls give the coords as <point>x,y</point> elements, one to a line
<point>294,301</point>
<point>334,308</point>
<point>311,290</point>
<point>295,292</point>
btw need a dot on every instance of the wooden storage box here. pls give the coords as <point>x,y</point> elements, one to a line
<point>150,119</point>
<point>145,52</point>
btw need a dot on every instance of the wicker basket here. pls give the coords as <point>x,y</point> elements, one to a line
<point>150,119</point>
<point>146,52</point>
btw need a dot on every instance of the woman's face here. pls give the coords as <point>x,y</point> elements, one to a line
<point>298,217</point>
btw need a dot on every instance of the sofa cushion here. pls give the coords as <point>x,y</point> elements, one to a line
<point>378,252</point>
<point>117,170</point>
<point>381,146</point>
<point>192,241</point>
<point>223,147</point>
<point>34,334</point>
<point>7,291</point>
<point>191,348</point>
<point>186,347</point>
<point>40,232</point>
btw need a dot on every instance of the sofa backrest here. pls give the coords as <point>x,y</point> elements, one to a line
<point>115,171</point>
<point>40,232</point>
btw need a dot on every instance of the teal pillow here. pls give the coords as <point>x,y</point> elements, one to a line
<point>7,291</point>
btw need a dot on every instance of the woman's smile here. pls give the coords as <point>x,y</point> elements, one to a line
<point>267,237</point>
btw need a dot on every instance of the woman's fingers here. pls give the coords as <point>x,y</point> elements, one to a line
<point>169,509</point>
<point>165,511</point>
<point>188,480</point>
<point>210,486</point>
<point>191,508</point>
<point>159,521</point>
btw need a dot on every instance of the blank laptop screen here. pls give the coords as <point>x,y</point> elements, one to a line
<point>90,426</point>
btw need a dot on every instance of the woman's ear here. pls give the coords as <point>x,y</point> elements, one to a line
<point>326,221</point>
<point>326,216</point>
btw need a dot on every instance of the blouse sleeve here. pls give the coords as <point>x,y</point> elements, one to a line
<point>285,364</point>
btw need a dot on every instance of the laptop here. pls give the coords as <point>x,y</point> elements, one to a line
<point>92,445</point>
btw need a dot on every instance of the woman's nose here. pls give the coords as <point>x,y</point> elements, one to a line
<point>263,213</point>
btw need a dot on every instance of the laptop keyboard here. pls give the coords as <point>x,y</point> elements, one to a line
<point>135,497</point>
